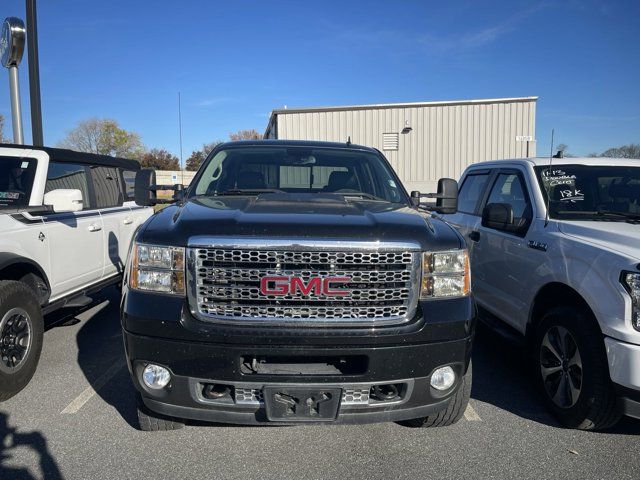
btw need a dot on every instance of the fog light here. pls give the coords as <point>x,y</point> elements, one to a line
<point>155,376</point>
<point>443,378</point>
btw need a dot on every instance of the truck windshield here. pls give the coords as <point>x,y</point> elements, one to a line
<point>253,170</point>
<point>16,180</point>
<point>602,192</point>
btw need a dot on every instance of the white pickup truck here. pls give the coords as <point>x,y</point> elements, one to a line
<point>555,256</point>
<point>66,222</point>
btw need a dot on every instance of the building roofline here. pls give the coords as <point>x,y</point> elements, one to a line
<point>278,111</point>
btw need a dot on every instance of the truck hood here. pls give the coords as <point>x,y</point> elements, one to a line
<point>299,216</point>
<point>621,237</point>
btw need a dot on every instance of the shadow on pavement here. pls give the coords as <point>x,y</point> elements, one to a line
<point>101,351</point>
<point>11,438</point>
<point>501,378</point>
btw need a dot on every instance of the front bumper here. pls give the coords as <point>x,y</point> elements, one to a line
<point>624,363</point>
<point>624,368</point>
<point>194,365</point>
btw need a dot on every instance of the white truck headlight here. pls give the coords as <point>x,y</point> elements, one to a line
<point>157,269</point>
<point>445,274</point>
<point>631,282</point>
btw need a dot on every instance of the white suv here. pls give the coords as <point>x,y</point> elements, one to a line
<point>66,222</point>
<point>555,255</point>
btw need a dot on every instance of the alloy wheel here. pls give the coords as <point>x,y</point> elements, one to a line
<point>15,339</point>
<point>561,367</point>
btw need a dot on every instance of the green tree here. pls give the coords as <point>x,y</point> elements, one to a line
<point>103,136</point>
<point>197,156</point>
<point>160,159</point>
<point>245,135</point>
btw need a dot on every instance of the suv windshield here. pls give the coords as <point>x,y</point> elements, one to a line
<point>253,170</point>
<point>16,179</point>
<point>579,192</point>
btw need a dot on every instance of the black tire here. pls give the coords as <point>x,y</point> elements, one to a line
<point>454,411</point>
<point>585,397</point>
<point>149,421</point>
<point>19,298</point>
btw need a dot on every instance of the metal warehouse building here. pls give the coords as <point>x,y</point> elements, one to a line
<point>423,141</point>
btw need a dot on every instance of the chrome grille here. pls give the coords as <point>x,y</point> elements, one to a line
<point>224,283</point>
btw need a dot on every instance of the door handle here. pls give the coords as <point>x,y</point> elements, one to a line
<point>474,236</point>
<point>127,221</point>
<point>94,228</point>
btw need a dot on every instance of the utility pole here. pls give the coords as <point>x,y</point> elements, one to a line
<point>34,74</point>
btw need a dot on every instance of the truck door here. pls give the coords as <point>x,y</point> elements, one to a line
<point>503,262</point>
<point>467,219</point>
<point>116,217</point>
<point>75,239</point>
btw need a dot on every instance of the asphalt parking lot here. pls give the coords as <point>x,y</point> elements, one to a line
<point>75,420</point>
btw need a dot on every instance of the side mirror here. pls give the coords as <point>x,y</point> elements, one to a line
<point>64,200</point>
<point>498,216</point>
<point>446,198</point>
<point>144,193</point>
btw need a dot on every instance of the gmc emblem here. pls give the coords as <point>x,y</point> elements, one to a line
<point>281,286</point>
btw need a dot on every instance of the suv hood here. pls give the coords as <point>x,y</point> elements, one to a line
<point>621,237</point>
<point>304,216</point>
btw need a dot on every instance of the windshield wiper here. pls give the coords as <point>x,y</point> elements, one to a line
<point>609,215</point>
<point>249,191</point>
<point>632,216</point>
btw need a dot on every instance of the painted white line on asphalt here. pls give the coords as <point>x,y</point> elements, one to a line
<point>471,415</point>
<point>91,390</point>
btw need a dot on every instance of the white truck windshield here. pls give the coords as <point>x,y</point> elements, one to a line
<point>579,192</point>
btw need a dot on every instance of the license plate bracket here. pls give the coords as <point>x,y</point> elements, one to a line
<point>302,404</point>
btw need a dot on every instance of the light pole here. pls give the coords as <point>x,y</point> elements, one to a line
<point>11,50</point>
<point>34,74</point>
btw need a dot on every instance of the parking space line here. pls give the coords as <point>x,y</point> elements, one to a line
<point>471,415</point>
<point>91,390</point>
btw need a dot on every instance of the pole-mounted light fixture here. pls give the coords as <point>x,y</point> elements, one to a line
<point>11,49</point>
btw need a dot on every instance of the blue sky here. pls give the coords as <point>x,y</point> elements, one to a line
<point>233,62</point>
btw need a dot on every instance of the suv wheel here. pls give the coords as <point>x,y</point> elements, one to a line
<point>21,332</point>
<point>150,421</point>
<point>454,411</point>
<point>572,370</point>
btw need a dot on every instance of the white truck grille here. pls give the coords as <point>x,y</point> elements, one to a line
<point>377,286</point>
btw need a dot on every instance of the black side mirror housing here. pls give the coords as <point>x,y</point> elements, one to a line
<point>446,198</point>
<point>144,194</point>
<point>498,216</point>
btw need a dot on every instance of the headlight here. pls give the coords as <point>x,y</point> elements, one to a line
<point>445,274</point>
<point>632,283</point>
<point>157,269</point>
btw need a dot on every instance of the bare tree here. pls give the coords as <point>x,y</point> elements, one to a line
<point>245,135</point>
<point>160,159</point>
<point>626,151</point>
<point>2,137</point>
<point>103,136</point>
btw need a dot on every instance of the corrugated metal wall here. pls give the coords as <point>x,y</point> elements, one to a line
<point>444,137</point>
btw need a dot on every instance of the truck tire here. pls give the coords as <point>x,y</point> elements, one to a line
<point>21,332</point>
<point>149,421</point>
<point>453,412</point>
<point>572,370</point>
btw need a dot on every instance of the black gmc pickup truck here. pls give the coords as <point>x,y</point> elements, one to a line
<point>298,282</point>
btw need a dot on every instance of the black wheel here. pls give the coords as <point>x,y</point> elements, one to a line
<point>454,411</point>
<point>572,370</point>
<point>150,421</point>
<point>21,331</point>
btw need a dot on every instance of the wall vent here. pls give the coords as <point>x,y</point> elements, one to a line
<point>390,141</point>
